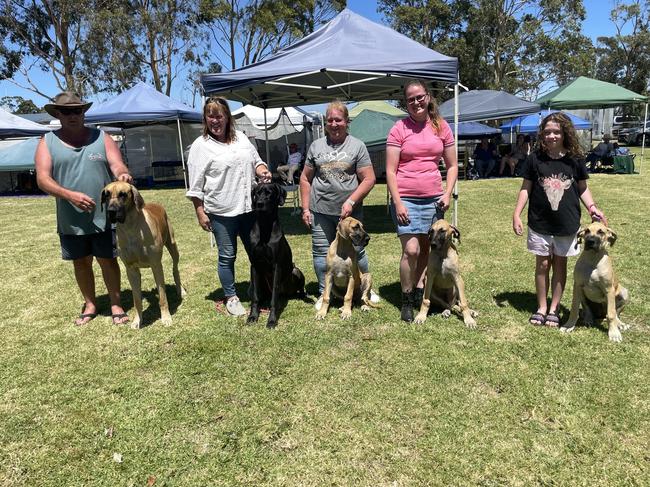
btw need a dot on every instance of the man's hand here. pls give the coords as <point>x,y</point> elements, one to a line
<point>82,201</point>
<point>125,177</point>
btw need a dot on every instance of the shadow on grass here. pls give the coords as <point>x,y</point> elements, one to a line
<point>523,301</point>
<point>150,303</point>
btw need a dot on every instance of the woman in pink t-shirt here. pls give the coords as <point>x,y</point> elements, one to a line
<point>414,148</point>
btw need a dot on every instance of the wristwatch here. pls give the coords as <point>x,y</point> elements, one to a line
<point>350,202</point>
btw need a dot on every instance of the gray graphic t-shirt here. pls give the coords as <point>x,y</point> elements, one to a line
<point>335,177</point>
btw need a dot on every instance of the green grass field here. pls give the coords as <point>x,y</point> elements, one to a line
<point>370,401</point>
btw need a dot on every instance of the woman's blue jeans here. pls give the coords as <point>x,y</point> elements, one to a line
<point>225,230</point>
<point>323,233</point>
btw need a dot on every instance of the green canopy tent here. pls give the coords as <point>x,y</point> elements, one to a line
<point>585,92</point>
<point>376,106</point>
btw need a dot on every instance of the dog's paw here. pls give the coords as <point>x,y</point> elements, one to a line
<point>365,307</point>
<point>183,293</point>
<point>252,319</point>
<point>567,328</point>
<point>420,318</point>
<point>321,314</point>
<point>166,320</point>
<point>470,323</point>
<point>346,314</point>
<point>623,326</point>
<point>474,313</point>
<point>135,324</point>
<point>446,313</point>
<point>615,335</point>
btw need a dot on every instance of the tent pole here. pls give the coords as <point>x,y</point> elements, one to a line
<point>645,121</point>
<point>455,194</point>
<point>180,141</point>
<point>266,139</point>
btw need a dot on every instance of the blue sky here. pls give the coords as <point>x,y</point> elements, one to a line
<point>596,24</point>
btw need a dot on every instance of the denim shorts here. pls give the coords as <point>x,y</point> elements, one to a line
<point>423,212</point>
<point>102,245</point>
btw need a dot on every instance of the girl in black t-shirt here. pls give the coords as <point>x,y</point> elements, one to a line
<point>555,181</point>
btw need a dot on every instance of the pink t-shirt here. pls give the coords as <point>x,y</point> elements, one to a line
<point>420,152</point>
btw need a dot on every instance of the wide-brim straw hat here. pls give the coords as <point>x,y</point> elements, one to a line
<point>66,99</point>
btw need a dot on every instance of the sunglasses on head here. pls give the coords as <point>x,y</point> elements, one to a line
<point>71,111</point>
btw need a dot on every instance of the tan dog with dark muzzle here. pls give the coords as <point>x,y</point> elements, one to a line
<point>343,277</point>
<point>142,231</point>
<point>595,285</point>
<point>444,285</point>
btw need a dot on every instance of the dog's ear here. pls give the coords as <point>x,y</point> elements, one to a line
<point>254,194</point>
<point>455,232</point>
<point>105,198</point>
<point>282,195</point>
<point>611,236</point>
<point>137,198</point>
<point>430,234</point>
<point>580,237</point>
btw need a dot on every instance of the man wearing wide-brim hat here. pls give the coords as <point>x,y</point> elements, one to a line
<point>74,164</point>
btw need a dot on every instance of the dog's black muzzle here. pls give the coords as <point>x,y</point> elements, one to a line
<point>116,214</point>
<point>438,241</point>
<point>592,242</point>
<point>360,240</point>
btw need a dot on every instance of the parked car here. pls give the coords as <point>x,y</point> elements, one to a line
<point>624,122</point>
<point>634,135</point>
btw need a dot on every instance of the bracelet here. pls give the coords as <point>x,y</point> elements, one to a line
<point>350,202</point>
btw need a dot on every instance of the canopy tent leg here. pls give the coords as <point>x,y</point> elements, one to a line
<point>455,193</point>
<point>645,121</point>
<point>266,140</point>
<point>180,141</point>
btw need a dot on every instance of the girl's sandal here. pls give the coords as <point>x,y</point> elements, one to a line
<point>552,320</point>
<point>537,319</point>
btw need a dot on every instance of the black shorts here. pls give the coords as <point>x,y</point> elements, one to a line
<point>102,245</point>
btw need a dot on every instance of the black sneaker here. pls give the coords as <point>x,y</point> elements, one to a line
<point>406,313</point>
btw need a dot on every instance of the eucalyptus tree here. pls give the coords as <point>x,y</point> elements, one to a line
<point>513,45</point>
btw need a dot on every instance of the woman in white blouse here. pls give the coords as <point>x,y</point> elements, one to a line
<point>222,165</point>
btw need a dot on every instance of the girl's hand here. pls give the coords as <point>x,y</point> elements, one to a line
<point>346,210</point>
<point>444,202</point>
<point>517,226</point>
<point>306,218</point>
<point>204,221</point>
<point>402,214</point>
<point>597,215</point>
<point>263,173</point>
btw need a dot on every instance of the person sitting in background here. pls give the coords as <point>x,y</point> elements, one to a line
<point>603,152</point>
<point>293,164</point>
<point>485,157</point>
<point>518,154</point>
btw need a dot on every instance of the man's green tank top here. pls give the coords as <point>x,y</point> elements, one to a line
<point>84,169</point>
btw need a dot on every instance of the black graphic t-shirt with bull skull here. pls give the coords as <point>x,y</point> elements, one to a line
<point>554,201</point>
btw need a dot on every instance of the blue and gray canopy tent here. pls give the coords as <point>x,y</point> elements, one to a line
<point>349,58</point>
<point>14,126</point>
<point>141,105</point>
<point>530,123</point>
<point>479,105</point>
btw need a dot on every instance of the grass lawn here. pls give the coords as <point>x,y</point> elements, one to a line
<point>370,401</point>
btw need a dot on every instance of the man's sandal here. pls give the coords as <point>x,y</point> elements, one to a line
<point>537,319</point>
<point>85,318</point>
<point>552,320</point>
<point>118,318</point>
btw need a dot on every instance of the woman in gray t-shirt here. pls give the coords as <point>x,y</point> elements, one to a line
<point>338,175</point>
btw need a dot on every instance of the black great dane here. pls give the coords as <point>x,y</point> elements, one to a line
<point>273,273</point>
